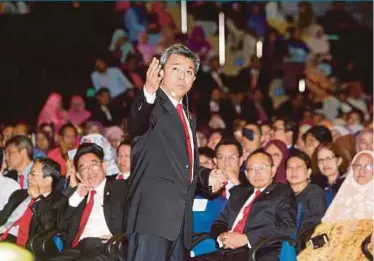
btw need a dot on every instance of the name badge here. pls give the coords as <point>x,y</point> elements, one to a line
<point>199,204</point>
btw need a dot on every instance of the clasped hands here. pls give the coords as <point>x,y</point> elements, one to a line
<point>233,240</point>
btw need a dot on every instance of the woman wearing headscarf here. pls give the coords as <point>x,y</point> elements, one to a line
<point>279,153</point>
<point>147,50</point>
<point>197,41</point>
<point>114,135</point>
<point>135,20</point>
<point>349,219</point>
<point>77,112</point>
<point>119,45</point>
<point>53,112</point>
<point>94,127</point>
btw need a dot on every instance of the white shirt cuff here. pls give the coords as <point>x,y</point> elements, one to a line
<point>249,245</point>
<point>220,244</point>
<point>75,200</point>
<point>150,98</point>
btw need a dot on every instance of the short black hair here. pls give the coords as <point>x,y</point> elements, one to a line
<point>296,153</point>
<point>50,168</point>
<point>229,141</point>
<point>207,152</point>
<point>321,133</point>
<point>125,142</point>
<point>86,148</point>
<point>263,152</point>
<point>102,90</point>
<point>22,142</point>
<point>65,127</point>
<point>357,111</point>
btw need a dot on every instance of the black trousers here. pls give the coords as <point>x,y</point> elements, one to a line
<point>243,254</point>
<point>143,247</point>
<point>88,249</point>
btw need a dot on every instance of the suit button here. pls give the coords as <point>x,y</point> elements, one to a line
<point>187,166</point>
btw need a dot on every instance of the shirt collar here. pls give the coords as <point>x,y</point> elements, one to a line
<point>100,188</point>
<point>27,169</point>
<point>173,100</point>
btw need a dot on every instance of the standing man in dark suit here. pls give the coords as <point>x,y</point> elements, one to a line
<point>34,210</point>
<point>165,160</point>
<point>265,210</point>
<point>96,210</point>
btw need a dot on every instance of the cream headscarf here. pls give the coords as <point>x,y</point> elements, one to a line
<point>353,201</point>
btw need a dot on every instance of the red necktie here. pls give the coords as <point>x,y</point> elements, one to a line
<point>21,180</point>
<point>86,214</point>
<point>187,134</point>
<point>239,228</point>
<point>24,226</point>
<point>120,176</point>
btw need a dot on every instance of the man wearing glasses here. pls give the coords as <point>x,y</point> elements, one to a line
<point>96,210</point>
<point>264,210</point>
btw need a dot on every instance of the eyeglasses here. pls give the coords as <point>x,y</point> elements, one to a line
<point>327,160</point>
<point>359,167</point>
<point>229,157</point>
<point>259,167</point>
<point>93,166</point>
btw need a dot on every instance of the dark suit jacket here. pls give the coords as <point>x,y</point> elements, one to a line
<point>100,116</point>
<point>161,194</point>
<point>272,214</point>
<point>45,210</point>
<point>115,211</point>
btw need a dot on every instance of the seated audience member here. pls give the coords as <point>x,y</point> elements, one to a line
<point>120,47</point>
<point>43,141</point>
<point>103,111</point>
<point>365,140</point>
<point>214,138</point>
<point>109,77</point>
<point>251,139</point>
<point>94,127</point>
<point>279,153</point>
<point>315,136</point>
<point>124,159</point>
<point>265,133</point>
<point>18,156</point>
<point>349,219</point>
<point>332,164</point>
<point>309,197</point>
<point>206,156</point>
<point>284,130</point>
<point>7,132</point>
<point>96,210</point>
<point>7,185</point>
<point>25,130</point>
<point>32,211</point>
<point>53,112</point>
<point>228,159</point>
<point>77,113</point>
<point>254,213</point>
<point>114,135</point>
<point>67,137</point>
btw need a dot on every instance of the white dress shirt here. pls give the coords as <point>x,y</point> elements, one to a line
<point>7,187</point>
<point>96,225</point>
<point>228,186</point>
<point>151,99</point>
<point>241,214</point>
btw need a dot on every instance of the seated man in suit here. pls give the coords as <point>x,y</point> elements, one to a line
<point>34,210</point>
<point>252,214</point>
<point>124,159</point>
<point>96,210</point>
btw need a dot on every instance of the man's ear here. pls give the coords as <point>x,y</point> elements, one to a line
<point>103,164</point>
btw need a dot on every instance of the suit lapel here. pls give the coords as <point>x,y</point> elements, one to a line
<point>106,202</point>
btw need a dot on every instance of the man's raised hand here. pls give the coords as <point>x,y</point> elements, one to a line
<point>154,76</point>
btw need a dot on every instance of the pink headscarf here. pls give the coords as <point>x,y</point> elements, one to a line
<point>77,112</point>
<point>52,112</point>
<point>280,175</point>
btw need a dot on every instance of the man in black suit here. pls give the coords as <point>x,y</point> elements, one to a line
<point>34,210</point>
<point>104,110</point>
<point>253,214</point>
<point>165,160</point>
<point>96,210</point>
